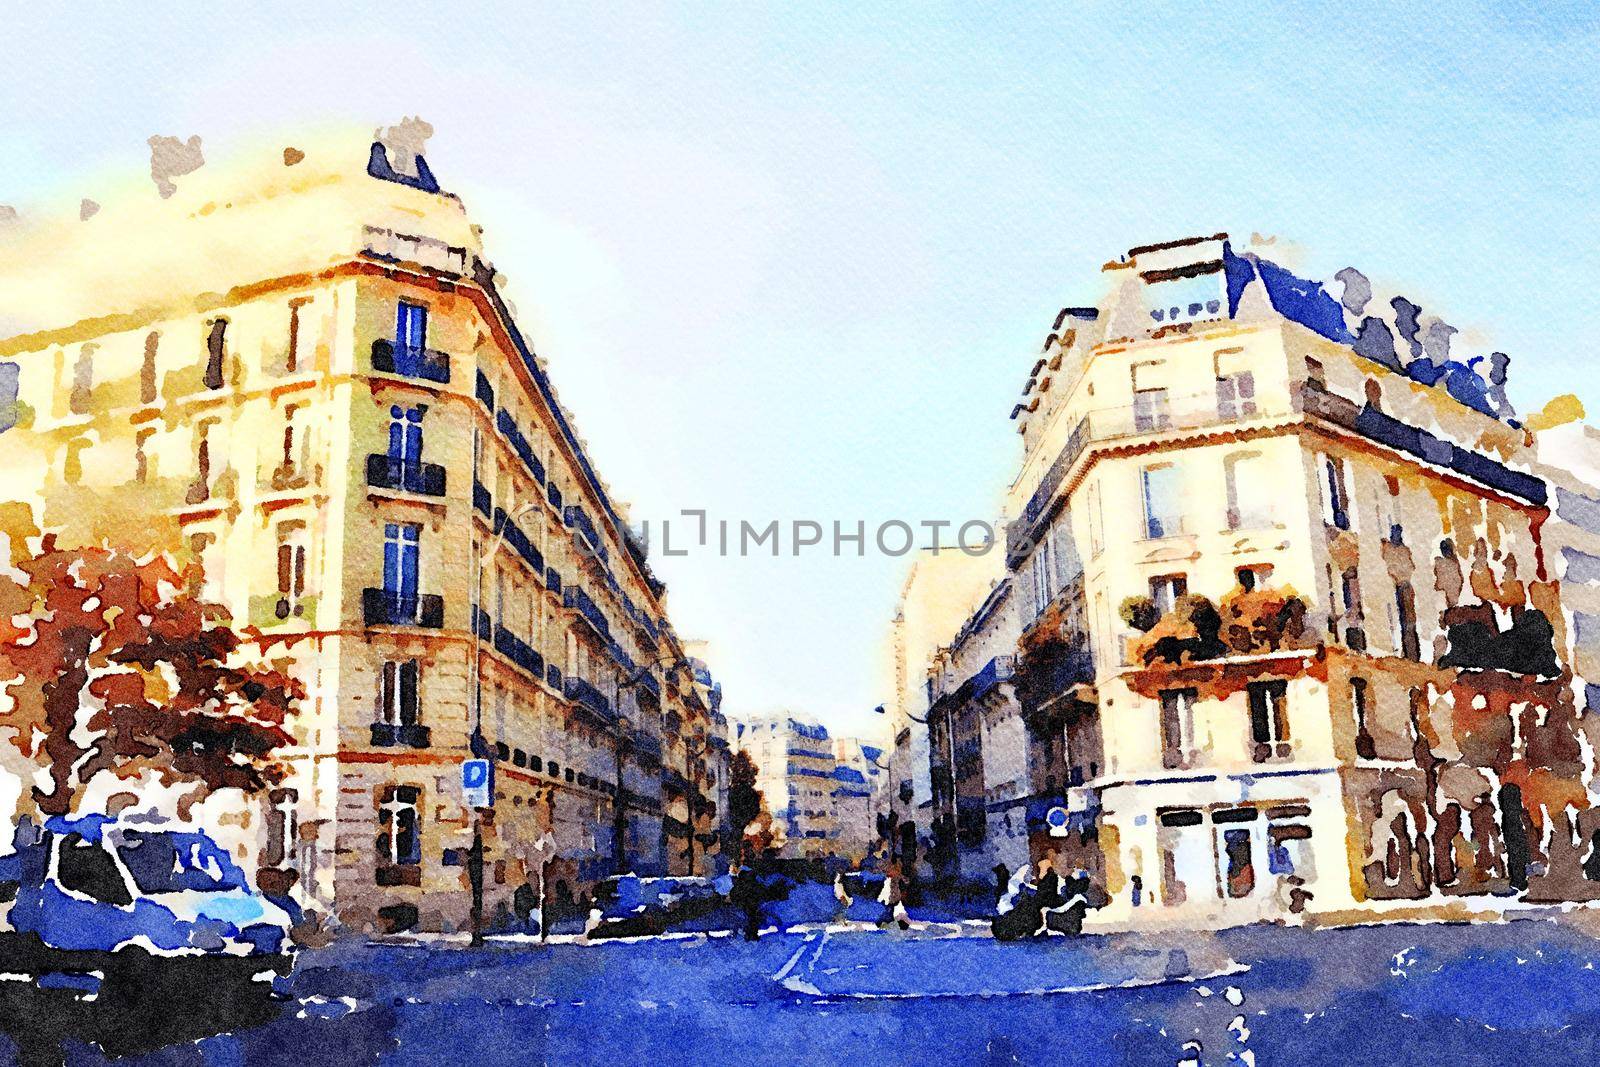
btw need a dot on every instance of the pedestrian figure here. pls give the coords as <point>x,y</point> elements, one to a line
<point>1138,889</point>
<point>1002,881</point>
<point>746,895</point>
<point>523,904</point>
<point>842,896</point>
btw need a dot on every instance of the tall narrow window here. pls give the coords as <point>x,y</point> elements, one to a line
<point>1405,603</point>
<point>1236,388</point>
<point>401,562</point>
<point>282,829</point>
<point>1350,593</point>
<point>216,347</point>
<point>1249,491</point>
<point>147,369</point>
<point>1366,748</point>
<point>291,358</point>
<point>1335,493</point>
<point>397,693</point>
<point>399,835</point>
<point>141,455</point>
<point>1177,728</point>
<point>200,489</point>
<point>1163,501</point>
<point>1166,589</point>
<point>405,447</point>
<point>1269,721</point>
<point>410,337</point>
<point>291,570</point>
<point>1097,530</point>
<point>80,400</point>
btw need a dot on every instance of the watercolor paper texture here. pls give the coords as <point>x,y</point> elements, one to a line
<point>368,380</point>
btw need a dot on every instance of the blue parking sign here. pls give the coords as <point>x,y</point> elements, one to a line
<point>476,789</point>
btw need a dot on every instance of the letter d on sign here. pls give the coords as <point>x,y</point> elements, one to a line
<point>475,788</point>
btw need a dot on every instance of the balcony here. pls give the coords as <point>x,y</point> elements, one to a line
<point>485,392</point>
<point>382,607</point>
<point>552,580</point>
<point>274,609</point>
<point>519,444</point>
<point>481,623</point>
<point>587,696</point>
<point>519,541</point>
<point>575,598</point>
<point>482,500</point>
<point>424,364</point>
<point>1391,432</point>
<point>553,495</point>
<point>579,520</point>
<point>400,735</point>
<point>387,472</point>
<point>552,675</point>
<point>518,651</point>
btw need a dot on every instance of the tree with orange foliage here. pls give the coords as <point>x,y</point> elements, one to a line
<point>109,664</point>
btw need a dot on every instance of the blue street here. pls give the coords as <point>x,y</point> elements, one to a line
<point>1398,994</point>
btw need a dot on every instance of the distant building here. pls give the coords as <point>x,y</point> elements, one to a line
<point>940,591</point>
<point>816,787</point>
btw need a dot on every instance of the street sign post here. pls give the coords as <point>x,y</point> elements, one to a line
<point>475,788</point>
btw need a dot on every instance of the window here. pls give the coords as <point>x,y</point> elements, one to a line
<point>1315,377</point>
<point>291,570</point>
<point>1177,728</point>
<point>1405,603</point>
<point>147,369</point>
<point>1269,721</point>
<point>1097,531</point>
<point>401,552</point>
<point>1350,592</point>
<point>200,488</point>
<point>1236,395</point>
<point>1335,494</point>
<point>1151,410</point>
<point>1166,589</point>
<point>1366,748</point>
<point>1235,850</point>
<point>405,435</point>
<point>1256,576</point>
<point>399,835</point>
<point>291,359</point>
<point>397,693</point>
<point>141,455</point>
<point>1163,501</point>
<point>1289,841</point>
<point>1249,491</point>
<point>86,869</point>
<point>216,345</point>
<point>289,468</point>
<point>81,398</point>
<point>410,337</point>
<point>282,829</point>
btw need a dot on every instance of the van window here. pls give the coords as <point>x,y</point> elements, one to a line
<point>88,869</point>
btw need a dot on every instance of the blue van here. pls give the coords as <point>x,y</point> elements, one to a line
<point>89,897</point>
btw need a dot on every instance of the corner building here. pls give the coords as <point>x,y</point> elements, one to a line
<point>301,370</point>
<point>1289,637</point>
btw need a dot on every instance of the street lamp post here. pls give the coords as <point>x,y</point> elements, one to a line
<point>478,745</point>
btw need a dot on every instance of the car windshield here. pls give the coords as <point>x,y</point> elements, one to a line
<point>163,862</point>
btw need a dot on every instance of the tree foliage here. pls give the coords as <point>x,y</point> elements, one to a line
<point>109,664</point>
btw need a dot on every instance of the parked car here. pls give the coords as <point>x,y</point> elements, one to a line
<point>631,906</point>
<point>94,902</point>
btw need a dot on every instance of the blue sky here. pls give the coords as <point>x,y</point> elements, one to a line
<point>796,264</point>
